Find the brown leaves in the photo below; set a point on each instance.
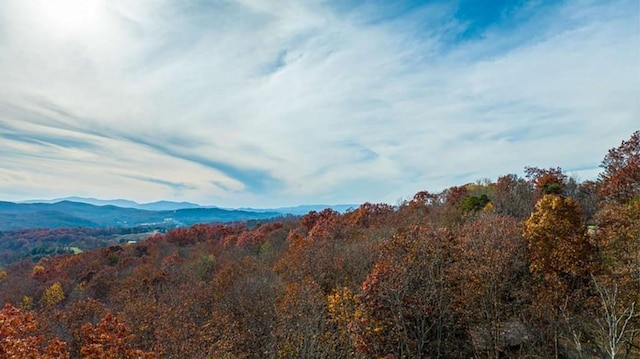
(430, 278)
(369, 214)
(257, 237)
(487, 278)
(18, 338)
(621, 176)
(547, 181)
(106, 340)
(556, 238)
(618, 238)
(404, 301)
(513, 196)
(303, 322)
(490, 255)
(109, 340)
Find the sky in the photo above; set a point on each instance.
(274, 103)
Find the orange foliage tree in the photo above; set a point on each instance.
(18, 338)
(557, 240)
(561, 258)
(109, 339)
(621, 175)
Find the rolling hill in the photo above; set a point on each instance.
(76, 214)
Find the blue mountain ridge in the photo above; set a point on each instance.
(95, 213)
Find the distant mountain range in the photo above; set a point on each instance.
(76, 214)
(97, 213)
(304, 209)
(124, 203)
(171, 206)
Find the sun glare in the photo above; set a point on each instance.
(69, 17)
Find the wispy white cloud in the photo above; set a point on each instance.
(251, 102)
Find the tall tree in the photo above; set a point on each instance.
(621, 175)
(404, 309)
(487, 278)
(557, 240)
(560, 257)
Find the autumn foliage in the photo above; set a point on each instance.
(19, 337)
(621, 176)
(109, 340)
(539, 266)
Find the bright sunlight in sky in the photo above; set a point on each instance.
(272, 103)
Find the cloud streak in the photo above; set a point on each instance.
(248, 102)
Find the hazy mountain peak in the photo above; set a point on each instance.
(123, 203)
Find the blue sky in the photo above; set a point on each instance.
(274, 103)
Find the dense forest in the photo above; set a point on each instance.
(540, 266)
(36, 243)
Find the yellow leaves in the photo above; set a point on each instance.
(341, 304)
(488, 208)
(556, 238)
(37, 269)
(81, 286)
(52, 295)
(26, 303)
(3, 275)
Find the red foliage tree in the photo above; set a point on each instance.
(18, 338)
(621, 175)
(369, 214)
(258, 236)
(513, 196)
(404, 305)
(547, 181)
(109, 339)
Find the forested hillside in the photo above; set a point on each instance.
(16, 216)
(539, 266)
